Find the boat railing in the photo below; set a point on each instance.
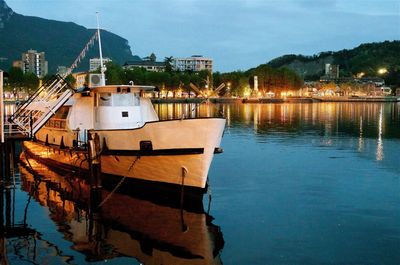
(57, 123)
(42, 105)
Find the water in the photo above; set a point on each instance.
(296, 184)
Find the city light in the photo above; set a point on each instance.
(360, 75)
(382, 71)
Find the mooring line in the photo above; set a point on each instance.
(119, 184)
(26, 157)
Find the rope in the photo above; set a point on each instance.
(26, 157)
(184, 172)
(119, 184)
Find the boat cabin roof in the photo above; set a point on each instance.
(119, 89)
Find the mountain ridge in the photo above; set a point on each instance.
(61, 41)
(366, 58)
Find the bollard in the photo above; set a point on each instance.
(94, 160)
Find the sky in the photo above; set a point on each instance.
(236, 34)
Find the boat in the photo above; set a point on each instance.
(131, 143)
(134, 143)
(125, 226)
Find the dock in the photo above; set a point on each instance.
(321, 99)
(9, 134)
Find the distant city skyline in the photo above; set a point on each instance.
(237, 34)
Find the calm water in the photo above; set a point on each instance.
(296, 184)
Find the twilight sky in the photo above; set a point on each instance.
(237, 34)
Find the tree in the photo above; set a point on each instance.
(15, 77)
(70, 80)
(168, 63)
(30, 81)
(152, 57)
(115, 74)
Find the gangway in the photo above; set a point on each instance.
(44, 103)
(38, 109)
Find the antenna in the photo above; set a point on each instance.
(102, 67)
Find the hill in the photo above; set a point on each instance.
(61, 41)
(366, 58)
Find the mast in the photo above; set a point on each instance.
(102, 67)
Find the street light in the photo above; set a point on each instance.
(382, 71)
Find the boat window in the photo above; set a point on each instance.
(58, 121)
(105, 99)
(136, 99)
(62, 112)
(122, 100)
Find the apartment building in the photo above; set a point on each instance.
(194, 63)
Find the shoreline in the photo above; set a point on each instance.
(276, 100)
(391, 99)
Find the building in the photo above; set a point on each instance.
(80, 79)
(34, 62)
(195, 63)
(94, 63)
(17, 64)
(332, 71)
(148, 65)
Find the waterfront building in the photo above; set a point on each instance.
(34, 62)
(194, 63)
(80, 79)
(94, 63)
(332, 71)
(148, 65)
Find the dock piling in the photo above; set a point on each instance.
(94, 172)
(94, 160)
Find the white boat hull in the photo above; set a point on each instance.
(181, 150)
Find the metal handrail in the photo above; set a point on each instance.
(50, 97)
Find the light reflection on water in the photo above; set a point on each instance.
(296, 184)
(331, 120)
(58, 223)
(308, 183)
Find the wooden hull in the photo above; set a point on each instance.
(181, 151)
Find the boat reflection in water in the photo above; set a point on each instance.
(123, 226)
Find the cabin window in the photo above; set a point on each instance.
(120, 100)
(62, 112)
(105, 99)
(117, 100)
(124, 114)
(136, 99)
(58, 121)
